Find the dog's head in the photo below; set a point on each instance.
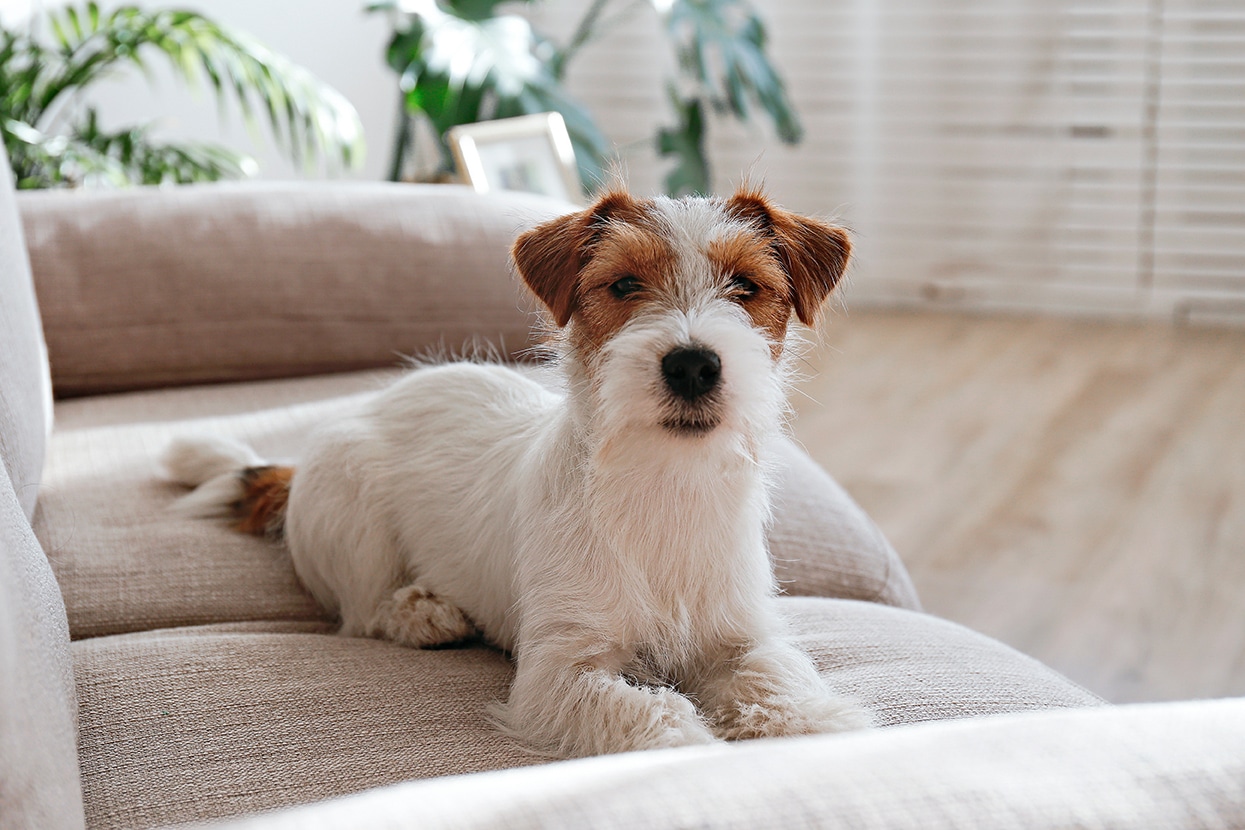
(676, 312)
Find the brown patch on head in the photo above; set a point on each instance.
(266, 491)
(572, 263)
(750, 256)
(625, 249)
(813, 254)
(550, 256)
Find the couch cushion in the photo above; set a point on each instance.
(199, 723)
(125, 562)
(824, 544)
(266, 280)
(38, 708)
(25, 390)
(193, 724)
(1167, 766)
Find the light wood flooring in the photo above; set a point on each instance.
(1075, 489)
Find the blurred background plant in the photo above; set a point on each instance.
(463, 61)
(53, 140)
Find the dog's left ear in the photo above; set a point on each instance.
(814, 254)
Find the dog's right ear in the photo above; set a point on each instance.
(551, 255)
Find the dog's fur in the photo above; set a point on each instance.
(611, 535)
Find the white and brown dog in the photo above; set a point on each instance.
(612, 534)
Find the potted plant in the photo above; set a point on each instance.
(52, 140)
(462, 61)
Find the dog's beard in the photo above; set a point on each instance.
(692, 420)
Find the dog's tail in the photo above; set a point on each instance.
(230, 481)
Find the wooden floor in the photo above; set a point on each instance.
(1076, 489)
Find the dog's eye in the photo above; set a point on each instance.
(625, 286)
(743, 288)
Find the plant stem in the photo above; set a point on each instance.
(401, 142)
(583, 33)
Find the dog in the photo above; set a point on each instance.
(609, 533)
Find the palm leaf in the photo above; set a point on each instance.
(308, 119)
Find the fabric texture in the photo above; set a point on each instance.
(1163, 766)
(818, 536)
(39, 785)
(25, 390)
(201, 723)
(195, 724)
(908, 667)
(126, 562)
(238, 282)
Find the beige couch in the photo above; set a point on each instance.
(157, 671)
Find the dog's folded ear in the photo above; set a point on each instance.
(813, 253)
(551, 255)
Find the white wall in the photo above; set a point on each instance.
(335, 39)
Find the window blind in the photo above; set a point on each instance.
(1065, 154)
(1198, 210)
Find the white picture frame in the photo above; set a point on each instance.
(531, 153)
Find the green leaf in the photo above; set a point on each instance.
(686, 143)
(720, 46)
(476, 9)
(308, 119)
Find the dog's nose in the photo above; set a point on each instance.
(691, 372)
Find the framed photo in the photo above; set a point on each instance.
(531, 153)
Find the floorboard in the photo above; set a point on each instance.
(1074, 488)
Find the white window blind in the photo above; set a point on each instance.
(1198, 212)
(1022, 153)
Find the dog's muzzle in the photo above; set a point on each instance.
(691, 373)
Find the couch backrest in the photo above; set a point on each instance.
(39, 780)
(25, 385)
(150, 287)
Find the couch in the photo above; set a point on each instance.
(159, 671)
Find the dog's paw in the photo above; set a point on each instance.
(613, 715)
(675, 722)
(418, 618)
(782, 717)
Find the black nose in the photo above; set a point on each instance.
(691, 372)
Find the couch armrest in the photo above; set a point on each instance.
(1172, 765)
(157, 287)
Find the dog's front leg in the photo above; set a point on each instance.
(771, 689)
(574, 706)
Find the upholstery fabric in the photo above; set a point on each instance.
(819, 534)
(1146, 767)
(39, 785)
(201, 723)
(125, 562)
(908, 667)
(263, 280)
(25, 390)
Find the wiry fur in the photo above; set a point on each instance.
(610, 535)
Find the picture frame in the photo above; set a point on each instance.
(530, 153)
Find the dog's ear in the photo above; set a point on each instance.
(551, 255)
(814, 254)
